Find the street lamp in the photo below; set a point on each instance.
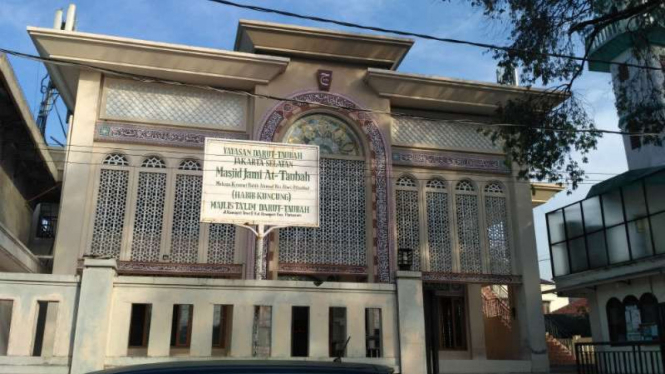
(405, 258)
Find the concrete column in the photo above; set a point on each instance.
(476, 322)
(77, 174)
(413, 358)
(202, 330)
(23, 324)
(355, 319)
(528, 300)
(92, 320)
(241, 336)
(281, 331)
(595, 320)
(159, 341)
(318, 330)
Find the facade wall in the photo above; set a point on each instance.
(15, 213)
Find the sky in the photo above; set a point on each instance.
(206, 24)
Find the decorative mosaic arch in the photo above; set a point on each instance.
(284, 111)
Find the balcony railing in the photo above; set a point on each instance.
(620, 358)
(614, 226)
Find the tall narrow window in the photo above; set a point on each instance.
(222, 320)
(139, 329)
(149, 215)
(438, 226)
(110, 207)
(453, 323)
(649, 313)
(373, 333)
(337, 332)
(181, 326)
(221, 243)
(186, 213)
(468, 232)
(496, 222)
(408, 217)
(299, 331)
(261, 332)
(616, 320)
(633, 318)
(44, 338)
(6, 307)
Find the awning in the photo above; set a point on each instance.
(621, 180)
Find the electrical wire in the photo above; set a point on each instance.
(422, 36)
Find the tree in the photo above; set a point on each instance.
(541, 33)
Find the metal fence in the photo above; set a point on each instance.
(620, 358)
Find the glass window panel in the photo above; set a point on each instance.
(555, 225)
(617, 244)
(633, 197)
(560, 259)
(655, 185)
(578, 259)
(337, 332)
(658, 228)
(640, 238)
(593, 219)
(612, 208)
(574, 220)
(597, 251)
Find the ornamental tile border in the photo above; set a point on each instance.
(170, 268)
(322, 268)
(471, 278)
(378, 161)
(451, 160)
(158, 135)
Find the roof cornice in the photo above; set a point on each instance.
(177, 62)
(447, 94)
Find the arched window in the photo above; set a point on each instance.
(186, 212)
(341, 238)
(110, 206)
(149, 213)
(408, 217)
(649, 315)
(616, 320)
(496, 224)
(468, 231)
(438, 226)
(633, 318)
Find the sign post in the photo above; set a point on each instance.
(262, 184)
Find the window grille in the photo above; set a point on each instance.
(186, 215)
(405, 182)
(190, 165)
(148, 217)
(341, 237)
(221, 243)
(494, 187)
(110, 211)
(468, 233)
(116, 159)
(466, 186)
(408, 223)
(153, 162)
(438, 227)
(498, 235)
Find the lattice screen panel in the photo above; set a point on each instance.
(438, 232)
(186, 214)
(138, 101)
(147, 232)
(110, 213)
(221, 243)
(496, 217)
(439, 134)
(468, 233)
(408, 223)
(341, 237)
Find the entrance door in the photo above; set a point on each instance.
(431, 331)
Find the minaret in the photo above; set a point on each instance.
(634, 86)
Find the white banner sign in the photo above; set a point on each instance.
(246, 182)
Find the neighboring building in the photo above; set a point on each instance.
(29, 183)
(137, 278)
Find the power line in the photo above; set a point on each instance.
(147, 79)
(420, 35)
